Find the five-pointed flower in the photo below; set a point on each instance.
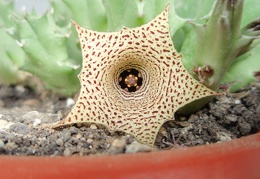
(132, 80)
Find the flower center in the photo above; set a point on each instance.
(130, 80)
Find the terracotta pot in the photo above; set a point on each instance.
(238, 158)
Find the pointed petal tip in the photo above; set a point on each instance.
(168, 6)
(60, 125)
(76, 25)
(56, 125)
(73, 22)
(63, 123)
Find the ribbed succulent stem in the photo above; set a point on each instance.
(219, 42)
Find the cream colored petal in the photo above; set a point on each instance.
(166, 87)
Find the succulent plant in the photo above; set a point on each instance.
(12, 57)
(220, 48)
(47, 57)
(221, 41)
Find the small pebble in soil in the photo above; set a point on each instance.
(243, 126)
(73, 130)
(70, 102)
(4, 125)
(10, 146)
(91, 136)
(93, 126)
(89, 141)
(238, 101)
(30, 117)
(230, 118)
(222, 136)
(118, 146)
(1, 144)
(36, 122)
(138, 147)
(59, 142)
(67, 152)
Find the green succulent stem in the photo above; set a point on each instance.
(219, 42)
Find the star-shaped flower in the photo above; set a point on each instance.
(132, 80)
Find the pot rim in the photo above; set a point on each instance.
(238, 158)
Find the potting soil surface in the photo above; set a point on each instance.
(26, 119)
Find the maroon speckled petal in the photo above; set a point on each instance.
(166, 86)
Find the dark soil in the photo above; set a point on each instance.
(26, 119)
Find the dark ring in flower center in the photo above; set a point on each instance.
(130, 80)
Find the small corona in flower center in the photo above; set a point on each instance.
(130, 80)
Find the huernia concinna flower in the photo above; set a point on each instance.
(132, 80)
